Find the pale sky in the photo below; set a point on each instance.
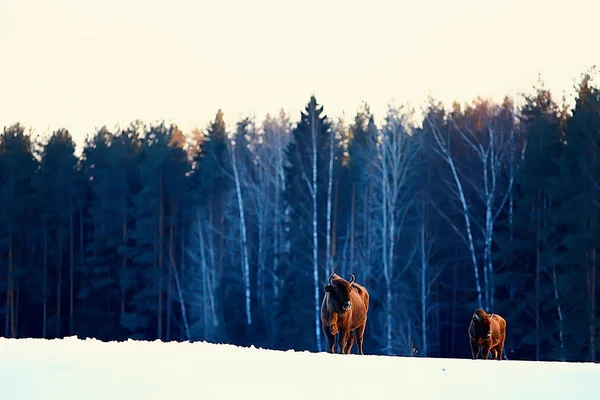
(81, 64)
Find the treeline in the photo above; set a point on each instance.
(229, 234)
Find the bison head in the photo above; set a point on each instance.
(339, 292)
(482, 323)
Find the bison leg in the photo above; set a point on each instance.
(500, 350)
(486, 350)
(360, 334)
(344, 340)
(494, 353)
(330, 341)
(474, 350)
(350, 343)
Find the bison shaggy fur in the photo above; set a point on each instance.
(344, 311)
(487, 332)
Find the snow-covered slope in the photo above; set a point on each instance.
(72, 369)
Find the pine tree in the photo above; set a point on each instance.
(60, 174)
(17, 199)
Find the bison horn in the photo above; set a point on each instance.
(475, 316)
(331, 277)
(353, 279)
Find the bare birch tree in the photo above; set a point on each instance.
(201, 285)
(267, 197)
(243, 238)
(457, 189)
(395, 154)
(328, 250)
(361, 151)
(428, 274)
(313, 188)
(492, 185)
(180, 296)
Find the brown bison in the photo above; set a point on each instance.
(487, 331)
(344, 310)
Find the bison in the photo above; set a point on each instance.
(487, 331)
(344, 310)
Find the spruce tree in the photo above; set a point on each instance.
(109, 162)
(146, 308)
(358, 189)
(579, 216)
(305, 195)
(530, 257)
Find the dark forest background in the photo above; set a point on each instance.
(229, 234)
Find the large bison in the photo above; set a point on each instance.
(344, 310)
(487, 331)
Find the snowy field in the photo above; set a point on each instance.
(72, 369)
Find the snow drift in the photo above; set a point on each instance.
(73, 369)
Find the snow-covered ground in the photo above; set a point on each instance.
(71, 369)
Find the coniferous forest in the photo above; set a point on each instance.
(229, 234)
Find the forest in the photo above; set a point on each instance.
(229, 234)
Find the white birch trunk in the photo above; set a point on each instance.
(277, 241)
(560, 314)
(512, 178)
(261, 261)
(280, 187)
(367, 232)
(345, 249)
(204, 272)
(210, 282)
(487, 235)
(277, 232)
(196, 252)
(386, 260)
(328, 263)
(180, 295)
(424, 291)
(315, 232)
(351, 230)
(465, 212)
(244, 240)
(205, 290)
(45, 291)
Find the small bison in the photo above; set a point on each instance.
(344, 310)
(487, 331)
